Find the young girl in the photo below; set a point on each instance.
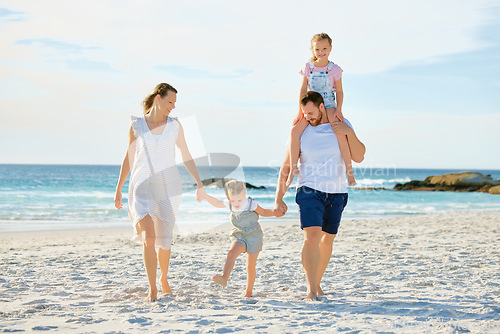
(324, 77)
(155, 186)
(246, 235)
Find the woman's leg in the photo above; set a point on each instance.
(251, 273)
(236, 249)
(146, 228)
(164, 261)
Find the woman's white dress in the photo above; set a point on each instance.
(155, 185)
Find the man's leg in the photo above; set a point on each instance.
(325, 249)
(311, 259)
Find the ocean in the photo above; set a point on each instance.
(44, 197)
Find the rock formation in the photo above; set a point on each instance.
(463, 181)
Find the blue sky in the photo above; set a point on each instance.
(421, 79)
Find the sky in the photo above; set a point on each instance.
(421, 78)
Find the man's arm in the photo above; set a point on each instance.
(356, 147)
(281, 188)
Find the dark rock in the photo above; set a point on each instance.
(221, 182)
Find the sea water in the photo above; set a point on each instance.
(41, 197)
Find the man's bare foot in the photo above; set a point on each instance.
(152, 295)
(320, 292)
(220, 280)
(312, 296)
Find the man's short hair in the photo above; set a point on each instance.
(313, 97)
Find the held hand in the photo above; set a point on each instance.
(278, 213)
(200, 194)
(341, 128)
(280, 208)
(118, 200)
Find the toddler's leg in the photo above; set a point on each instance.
(236, 249)
(297, 130)
(344, 149)
(251, 273)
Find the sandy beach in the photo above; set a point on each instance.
(423, 273)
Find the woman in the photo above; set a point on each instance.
(155, 186)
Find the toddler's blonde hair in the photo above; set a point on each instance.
(234, 187)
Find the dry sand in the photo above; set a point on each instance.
(426, 273)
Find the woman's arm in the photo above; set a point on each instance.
(127, 164)
(214, 201)
(265, 212)
(189, 163)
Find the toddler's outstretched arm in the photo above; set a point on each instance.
(214, 201)
(265, 212)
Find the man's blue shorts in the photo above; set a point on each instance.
(317, 208)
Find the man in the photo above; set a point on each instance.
(322, 187)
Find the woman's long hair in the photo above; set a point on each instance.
(161, 89)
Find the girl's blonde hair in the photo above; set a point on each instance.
(161, 89)
(317, 38)
(234, 187)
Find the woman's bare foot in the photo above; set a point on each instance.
(220, 280)
(165, 288)
(152, 295)
(320, 292)
(248, 295)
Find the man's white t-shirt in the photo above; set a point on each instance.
(321, 165)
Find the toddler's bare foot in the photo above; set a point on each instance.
(220, 280)
(152, 295)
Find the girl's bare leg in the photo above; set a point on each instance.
(236, 249)
(297, 130)
(164, 261)
(251, 273)
(344, 149)
(147, 229)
